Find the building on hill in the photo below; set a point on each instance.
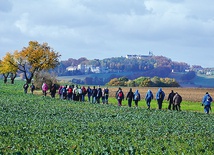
(139, 56)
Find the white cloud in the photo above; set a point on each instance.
(23, 23)
(108, 28)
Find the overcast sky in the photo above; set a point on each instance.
(182, 30)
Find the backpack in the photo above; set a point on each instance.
(120, 95)
(77, 92)
(106, 91)
(70, 90)
(84, 90)
(64, 90)
(208, 99)
(89, 90)
(45, 87)
(136, 97)
(25, 86)
(32, 87)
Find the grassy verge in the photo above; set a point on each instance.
(185, 105)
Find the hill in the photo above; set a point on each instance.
(199, 81)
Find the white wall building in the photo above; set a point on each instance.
(138, 56)
(87, 68)
(71, 68)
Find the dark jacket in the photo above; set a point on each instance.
(25, 86)
(94, 92)
(130, 95)
(99, 92)
(53, 89)
(170, 97)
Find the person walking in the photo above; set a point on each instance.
(148, 98)
(160, 97)
(53, 90)
(103, 96)
(25, 87)
(60, 91)
(70, 92)
(99, 94)
(64, 92)
(84, 92)
(44, 89)
(177, 99)
(32, 88)
(119, 96)
(170, 99)
(79, 93)
(89, 92)
(75, 93)
(130, 97)
(206, 102)
(106, 94)
(136, 98)
(94, 95)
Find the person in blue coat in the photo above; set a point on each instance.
(136, 98)
(148, 98)
(206, 102)
(160, 97)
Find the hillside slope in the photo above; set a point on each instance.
(200, 81)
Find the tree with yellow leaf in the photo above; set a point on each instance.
(35, 58)
(8, 67)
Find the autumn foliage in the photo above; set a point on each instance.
(8, 67)
(34, 58)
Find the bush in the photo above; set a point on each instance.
(41, 77)
(144, 82)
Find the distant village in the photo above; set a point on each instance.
(93, 69)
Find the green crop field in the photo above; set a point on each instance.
(32, 124)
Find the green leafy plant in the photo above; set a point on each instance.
(32, 124)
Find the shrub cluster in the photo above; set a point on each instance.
(144, 82)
